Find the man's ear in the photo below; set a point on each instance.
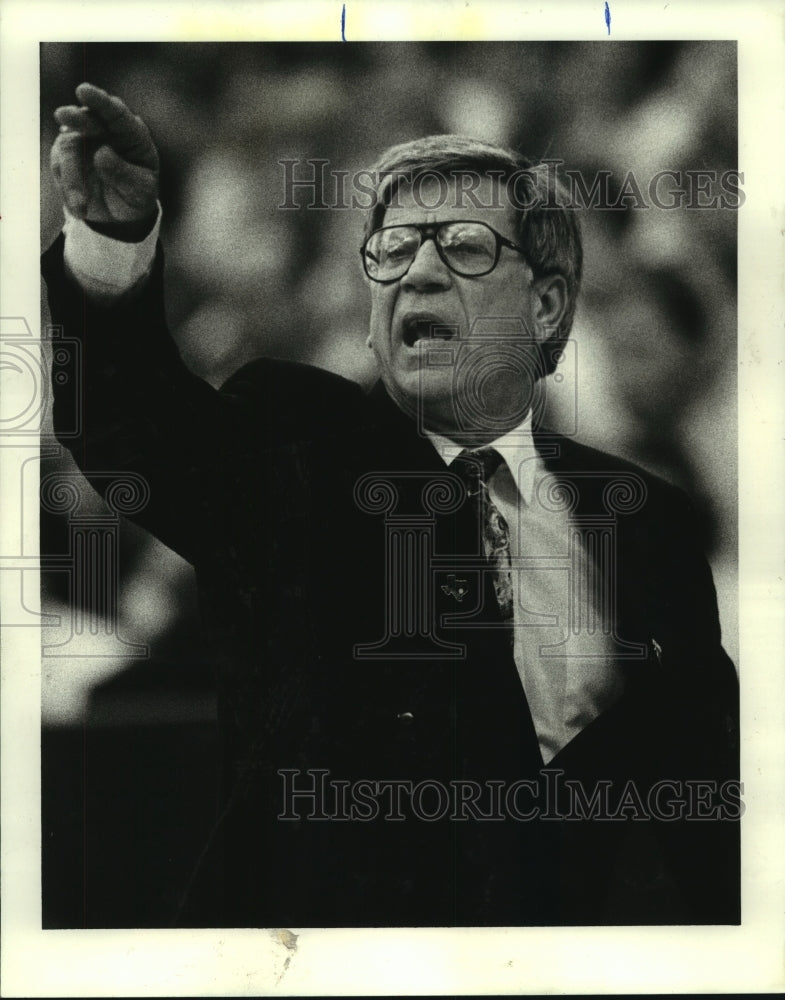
(550, 305)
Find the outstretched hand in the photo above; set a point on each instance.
(106, 165)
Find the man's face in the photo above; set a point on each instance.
(480, 378)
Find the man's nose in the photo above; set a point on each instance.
(427, 270)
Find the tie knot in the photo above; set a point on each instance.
(477, 465)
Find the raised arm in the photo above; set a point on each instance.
(205, 454)
(136, 405)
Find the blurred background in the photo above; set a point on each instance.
(129, 727)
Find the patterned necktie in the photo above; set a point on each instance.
(476, 467)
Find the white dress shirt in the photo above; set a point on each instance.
(563, 652)
(563, 655)
(106, 268)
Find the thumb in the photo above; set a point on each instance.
(129, 189)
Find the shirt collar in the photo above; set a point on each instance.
(516, 448)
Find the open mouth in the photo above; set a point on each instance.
(420, 326)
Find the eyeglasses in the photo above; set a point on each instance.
(468, 248)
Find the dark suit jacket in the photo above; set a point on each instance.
(292, 492)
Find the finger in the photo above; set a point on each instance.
(129, 190)
(80, 120)
(69, 161)
(130, 136)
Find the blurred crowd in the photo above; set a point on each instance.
(652, 374)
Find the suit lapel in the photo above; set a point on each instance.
(493, 723)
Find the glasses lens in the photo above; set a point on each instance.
(389, 252)
(469, 247)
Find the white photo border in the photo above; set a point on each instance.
(398, 961)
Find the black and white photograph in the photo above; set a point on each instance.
(383, 461)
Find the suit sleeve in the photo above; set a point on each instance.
(701, 676)
(205, 454)
(698, 696)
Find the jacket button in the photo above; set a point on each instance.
(405, 718)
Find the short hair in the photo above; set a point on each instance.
(547, 225)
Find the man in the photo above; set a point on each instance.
(469, 671)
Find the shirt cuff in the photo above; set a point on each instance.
(106, 268)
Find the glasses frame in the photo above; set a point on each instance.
(430, 231)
